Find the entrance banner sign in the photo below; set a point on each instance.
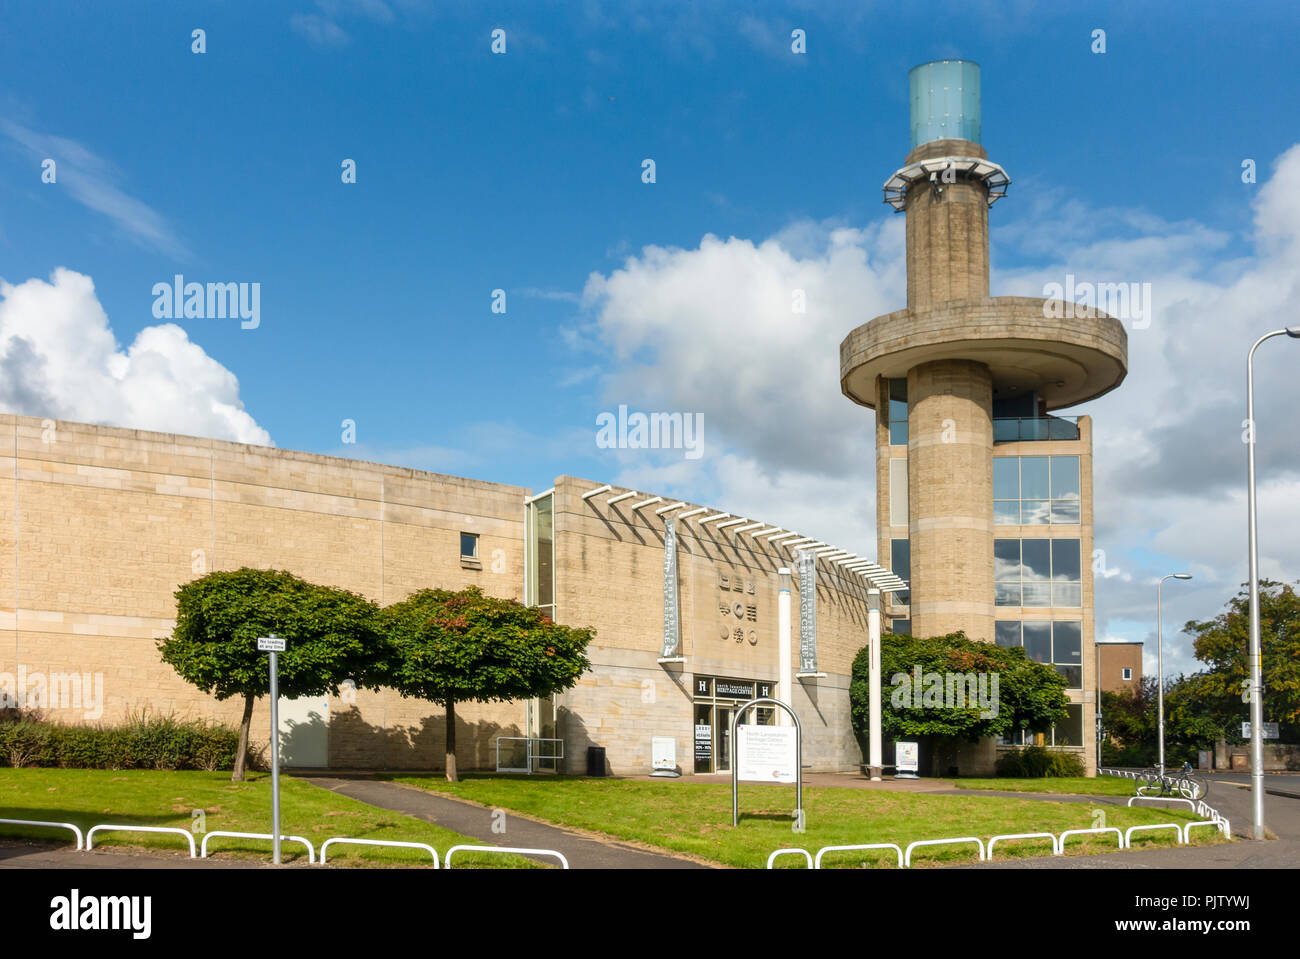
(806, 563)
(767, 754)
(703, 742)
(672, 630)
(906, 758)
(663, 753)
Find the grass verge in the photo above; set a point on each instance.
(209, 801)
(695, 818)
(1065, 785)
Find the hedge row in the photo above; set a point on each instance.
(1036, 762)
(142, 742)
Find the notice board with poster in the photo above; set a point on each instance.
(767, 754)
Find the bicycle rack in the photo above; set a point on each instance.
(790, 852)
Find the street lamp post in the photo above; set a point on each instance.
(1256, 681)
(1160, 668)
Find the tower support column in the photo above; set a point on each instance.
(950, 497)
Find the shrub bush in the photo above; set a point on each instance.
(1037, 762)
(142, 742)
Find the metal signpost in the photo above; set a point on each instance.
(274, 644)
(735, 758)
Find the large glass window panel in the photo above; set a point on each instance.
(901, 627)
(1006, 632)
(1065, 512)
(1038, 641)
(1067, 594)
(1065, 477)
(1006, 477)
(1006, 594)
(1065, 560)
(1006, 560)
(1006, 512)
(1069, 732)
(1073, 675)
(1035, 512)
(545, 554)
(1067, 643)
(1036, 558)
(1035, 480)
(1037, 595)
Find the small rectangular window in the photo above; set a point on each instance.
(1128, 674)
(897, 415)
(469, 545)
(900, 562)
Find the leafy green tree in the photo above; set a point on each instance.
(1223, 644)
(450, 647)
(1029, 695)
(331, 637)
(1131, 720)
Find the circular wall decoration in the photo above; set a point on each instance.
(753, 638)
(739, 610)
(725, 632)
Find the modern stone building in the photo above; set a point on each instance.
(104, 524)
(984, 492)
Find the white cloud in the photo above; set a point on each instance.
(89, 179)
(319, 31)
(59, 358)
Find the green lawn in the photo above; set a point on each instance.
(87, 797)
(1071, 785)
(695, 818)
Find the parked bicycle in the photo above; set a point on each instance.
(1185, 783)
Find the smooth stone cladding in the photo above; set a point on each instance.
(105, 524)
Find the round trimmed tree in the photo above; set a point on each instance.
(331, 637)
(451, 647)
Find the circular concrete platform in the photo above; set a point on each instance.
(1025, 342)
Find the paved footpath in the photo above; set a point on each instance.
(583, 850)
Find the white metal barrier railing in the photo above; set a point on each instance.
(564, 863)
(534, 751)
(907, 854)
(790, 852)
(311, 850)
(1132, 799)
(1200, 805)
(1123, 840)
(1098, 830)
(1128, 833)
(817, 863)
(1056, 847)
(1219, 824)
(51, 825)
(113, 827)
(378, 842)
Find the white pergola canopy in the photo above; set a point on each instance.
(876, 576)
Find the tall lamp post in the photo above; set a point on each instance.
(1160, 668)
(1256, 681)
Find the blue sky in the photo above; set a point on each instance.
(522, 172)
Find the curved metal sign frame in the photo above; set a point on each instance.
(735, 758)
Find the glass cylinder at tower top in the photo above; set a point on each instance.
(945, 98)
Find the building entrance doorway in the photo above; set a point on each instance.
(716, 701)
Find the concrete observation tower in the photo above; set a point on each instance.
(964, 386)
